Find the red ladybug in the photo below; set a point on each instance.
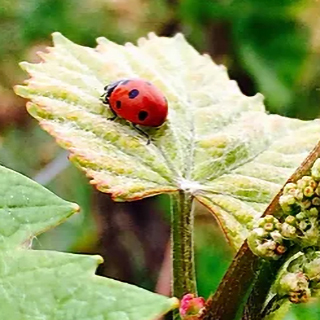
(138, 101)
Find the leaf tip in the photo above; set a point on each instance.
(258, 97)
(58, 38)
(75, 208)
(20, 91)
(102, 40)
(152, 35)
(24, 65)
(98, 259)
(179, 36)
(56, 35)
(32, 108)
(175, 302)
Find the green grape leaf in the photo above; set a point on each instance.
(27, 209)
(53, 285)
(217, 143)
(38, 284)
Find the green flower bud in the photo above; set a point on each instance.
(298, 195)
(269, 218)
(261, 222)
(290, 220)
(296, 286)
(313, 212)
(260, 232)
(265, 240)
(303, 225)
(305, 204)
(289, 187)
(300, 216)
(315, 201)
(309, 181)
(267, 249)
(313, 184)
(269, 226)
(301, 184)
(317, 191)
(276, 236)
(312, 269)
(308, 191)
(286, 202)
(288, 231)
(268, 222)
(315, 170)
(278, 225)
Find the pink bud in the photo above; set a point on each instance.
(191, 307)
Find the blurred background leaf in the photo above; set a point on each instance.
(268, 46)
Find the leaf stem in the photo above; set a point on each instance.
(182, 251)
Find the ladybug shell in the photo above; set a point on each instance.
(138, 101)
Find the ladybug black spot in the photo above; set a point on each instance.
(125, 82)
(133, 93)
(118, 104)
(142, 115)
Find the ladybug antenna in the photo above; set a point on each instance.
(104, 98)
(114, 117)
(108, 89)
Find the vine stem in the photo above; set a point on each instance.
(182, 251)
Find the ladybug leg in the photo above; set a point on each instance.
(142, 132)
(105, 100)
(114, 115)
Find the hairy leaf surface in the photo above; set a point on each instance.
(217, 143)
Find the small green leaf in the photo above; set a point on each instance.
(27, 209)
(57, 286)
(60, 286)
(217, 143)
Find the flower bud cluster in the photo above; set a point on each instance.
(299, 222)
(301, 280)
(294, 285)
(300, 203)
(266, 240)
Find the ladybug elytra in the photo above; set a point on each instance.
(138, 101)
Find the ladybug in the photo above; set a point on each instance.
(138, 101)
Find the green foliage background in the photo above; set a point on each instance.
(268, 46)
